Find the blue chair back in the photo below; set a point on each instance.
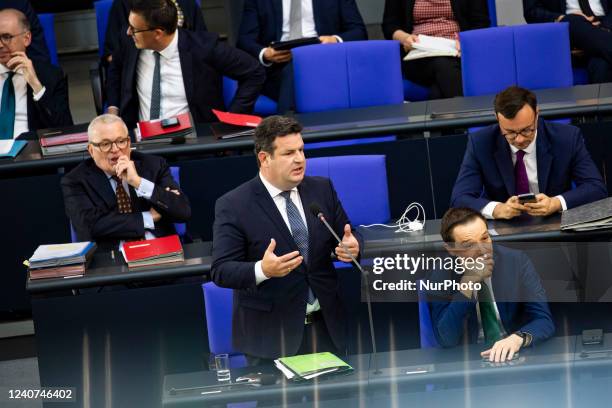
(543, 55)
(487, 69)
(492, 12)
(264, 106)
(218, 303)
(414, 92)
(181, 228)
(428, 339)
(102, 8)
(355, 74)
(361, 184)
(47, 21)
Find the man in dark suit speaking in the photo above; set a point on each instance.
(507, 311)
(275, 253)
(523, 154)
(165, 71)
(119, 194)
(34, 93)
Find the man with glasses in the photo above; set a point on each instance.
(38, 48)
(165, 71)
(34, 93)
(118, 194)
(523, 154)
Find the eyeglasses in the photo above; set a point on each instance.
(6, 39)
(510, 135)
(134, 31)
(105, 146)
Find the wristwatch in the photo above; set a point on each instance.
(527, 338)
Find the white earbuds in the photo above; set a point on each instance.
(405, 224)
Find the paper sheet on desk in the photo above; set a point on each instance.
(6, 146)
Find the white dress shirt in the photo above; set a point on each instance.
(531, 165)
(280, 202)
(145, 190)
(173, 96)
(308, 25)
(21, 99)
(573, 6)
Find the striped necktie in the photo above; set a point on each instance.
(7, 108)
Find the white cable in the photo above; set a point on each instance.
(405, 224)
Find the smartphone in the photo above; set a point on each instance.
(527, 198)
(166, 123)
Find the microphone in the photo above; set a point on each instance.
(317, 212)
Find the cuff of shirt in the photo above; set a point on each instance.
(147, 219)
(39, 95)
(563, 203)
(339, 38)
(261, 58)
(145, 190)
(487, 211)
(259, 275)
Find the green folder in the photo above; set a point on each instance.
(308, 365)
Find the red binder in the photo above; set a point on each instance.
(153, 251)
(237, 119)
(154, 128)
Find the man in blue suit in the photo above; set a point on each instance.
(506, 306)
(523, 154)
(265, 21)
(274, 252)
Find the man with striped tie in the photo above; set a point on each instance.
(275, 253)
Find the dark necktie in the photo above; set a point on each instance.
(123, 199)
(586, 8)
(490, 323)
(520, 174)
(156, 89)
(299, 232)
(7, 108)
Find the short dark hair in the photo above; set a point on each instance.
(454, 217)
(272, 127)
(160, 14)
(511, 100)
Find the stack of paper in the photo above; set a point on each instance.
(63, 140)
(151, 252)
(428, 46)
(60, 260)
(588, 217)
(309, 366)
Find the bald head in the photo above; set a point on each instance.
(16, 16)
(15, 35)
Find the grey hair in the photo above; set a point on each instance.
(105, 119)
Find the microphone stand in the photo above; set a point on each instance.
(364, 275)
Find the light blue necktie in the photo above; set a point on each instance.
(7, 108)
(299, 232)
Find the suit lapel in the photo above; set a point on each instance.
(277, 6)
(265, 201)
(186, 66)
(504, 163)
(98, 180)
(131, 71)
(544, 157)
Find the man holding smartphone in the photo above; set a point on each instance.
(524, 164)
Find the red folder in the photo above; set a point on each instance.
(64, 139)
(237, 119)
(153, 128)
(152, 249)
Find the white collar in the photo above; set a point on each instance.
(272, 190)
(172, 48)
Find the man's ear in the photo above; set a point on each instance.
(27, 39)
(90, 150)
(261, 157)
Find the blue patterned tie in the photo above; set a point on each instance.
(156, 89)
(299, 232)
(7, 108)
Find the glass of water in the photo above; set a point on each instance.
(222, 367)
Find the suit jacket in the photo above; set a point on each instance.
(470, 14)
(547, 11)
(91, 203)
(116, 31)
(38, 48)
(487, 172)
(268, 319)
(204, 60)
(520, 299)
(262, 22)
(53, 109)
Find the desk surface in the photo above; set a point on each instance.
(407, 117)
(559, 360)
(109, 268)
